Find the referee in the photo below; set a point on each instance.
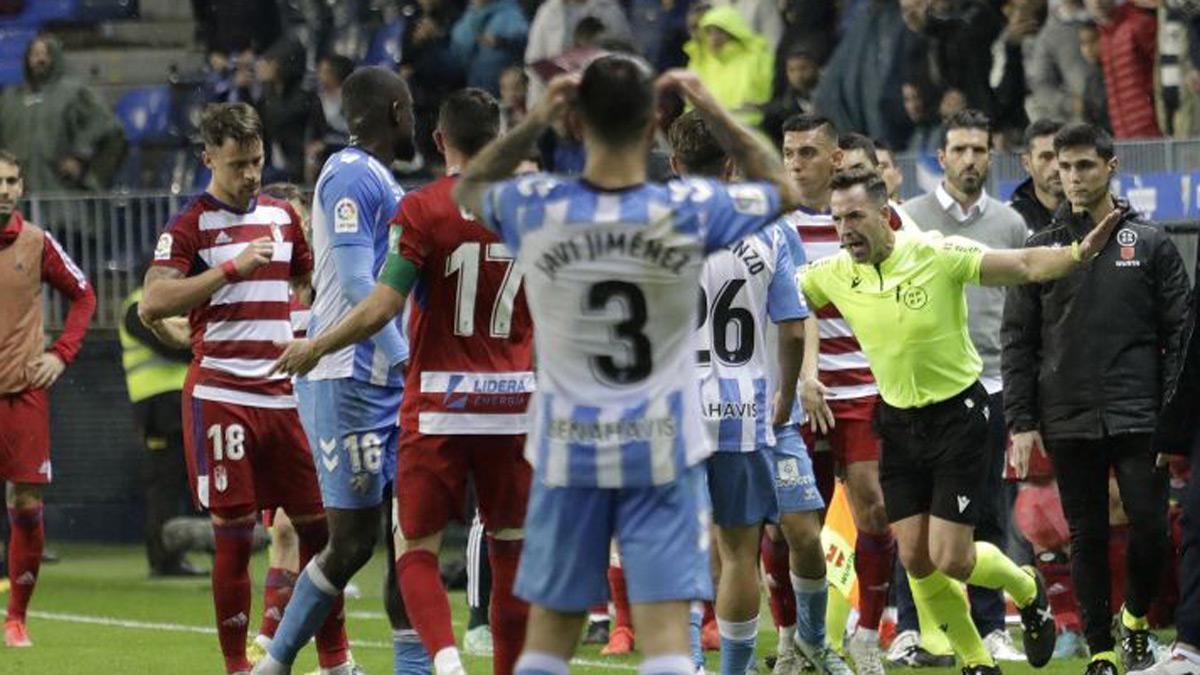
(902, 293)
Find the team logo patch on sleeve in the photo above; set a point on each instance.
(345, 216)
(162, 251)
(749, 199)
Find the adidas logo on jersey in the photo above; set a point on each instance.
(223, 238)
(236, 621)
(26, 579)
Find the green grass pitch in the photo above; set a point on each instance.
(97, 612)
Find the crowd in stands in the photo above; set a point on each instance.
(890, 69)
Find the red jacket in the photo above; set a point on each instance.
(1127, 45)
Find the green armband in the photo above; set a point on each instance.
(399, 273)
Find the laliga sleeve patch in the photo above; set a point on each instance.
(345, 216)
(749, 199)
(162, 251)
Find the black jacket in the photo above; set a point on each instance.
(1178, 425)
(1096, 353)
(1025, 202)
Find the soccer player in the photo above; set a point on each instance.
(611, 262)
(840, 397)
(903, 295)
(760, 471)
(355, 391)
(468, 386)
(227, 260)
(29, 257)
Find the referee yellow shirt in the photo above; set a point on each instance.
(909, 313)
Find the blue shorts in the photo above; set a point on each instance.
(795, 484)
(351, 427)
(742, 486)
(662, 533)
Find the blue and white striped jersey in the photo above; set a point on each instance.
(611, 280)
(741, 287)
(355, 199)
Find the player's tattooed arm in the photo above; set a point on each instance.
(167, 292)
(754, 156)
(365, 320)
(498, 159)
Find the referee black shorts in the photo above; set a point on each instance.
(934, 458)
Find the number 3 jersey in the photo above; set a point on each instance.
(741, 287)
(470, 335)
(611, 278)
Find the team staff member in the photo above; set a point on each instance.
(1091, 387)
(903, 295)
(29, 257)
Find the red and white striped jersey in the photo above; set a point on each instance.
(234, 333)
(843, 366)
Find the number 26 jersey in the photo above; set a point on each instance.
(611, 277)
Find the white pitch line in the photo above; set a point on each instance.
(207, 630)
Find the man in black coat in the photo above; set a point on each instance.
(1040, 195)
(1088, 361)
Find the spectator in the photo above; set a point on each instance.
(286, 108)
(1178, 53)
(1040, 195)
(429, 67)
(553, 30)
(860, 88)
(1089, 389)
(809, 22)
(1127, 41)
(920, 107)
(1056, 71)
(734, 62)
(514, 86)
(61, 132)
(327, 129)
(1094, 106)
(1007, 78)
(802, 73)
(231, 26)
(233, 80)
(660, 31)
(762, 16)
(489, 37)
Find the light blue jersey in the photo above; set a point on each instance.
(741, 287)
(611, 278)
(355, 199)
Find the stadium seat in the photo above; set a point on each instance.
(146, 114)
(37, 12)
(386, 45)
(104, 10)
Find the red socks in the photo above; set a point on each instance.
(779, 581)
(620, 598)
(1061, 592)
(25, 545)
(426, 601)
(333, 647)
(873, 558)
(277, 590)
(508, 612)
(231, 591)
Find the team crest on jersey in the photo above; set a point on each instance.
(220, 478)
(162, 251)
(749, 199)
(345, 216)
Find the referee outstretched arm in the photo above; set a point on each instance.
(1009, 267)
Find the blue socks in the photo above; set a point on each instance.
(812, 596)
(737, 645)
(312, 598)
(408, 654)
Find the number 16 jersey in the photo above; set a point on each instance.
(611, 277)
(471, 342)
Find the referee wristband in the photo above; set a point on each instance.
(230, 271)
(1076, 254)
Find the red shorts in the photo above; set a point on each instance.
(850, 440)
(431, 480)
(240, 456)
(25, 437)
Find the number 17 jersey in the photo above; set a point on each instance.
(470, 335)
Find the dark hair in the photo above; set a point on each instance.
(856, 141)
(808, 122)
(694, 146)
(615, 98)
(802, 50)
(967, 119)
(1038, 129)
(1084, 135)
(7, 157)
(342, 66)
(882, 146)
(469, 119)
(367, 97)
(222, 121)
(871, 181)
(588, 30)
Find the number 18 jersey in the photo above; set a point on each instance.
(611, 277)
(742, 287)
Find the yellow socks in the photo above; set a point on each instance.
(944, 600)
(1132, 622)
(1111, 657)
(993, 569)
